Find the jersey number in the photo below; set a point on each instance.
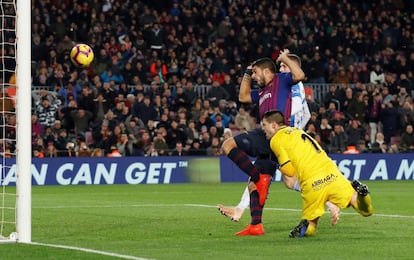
(314, 144)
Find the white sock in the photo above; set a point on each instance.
(296, 186)
(245, 200)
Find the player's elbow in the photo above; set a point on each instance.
(299, 76)
(287, 169)
(244, 99)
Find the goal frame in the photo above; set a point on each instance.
(23, 131)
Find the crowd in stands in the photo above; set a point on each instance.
(139, 96)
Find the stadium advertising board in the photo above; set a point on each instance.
(165, 170)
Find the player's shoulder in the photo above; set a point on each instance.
(283, 75)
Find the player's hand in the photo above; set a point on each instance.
(283, 55)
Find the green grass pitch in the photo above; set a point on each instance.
(180, 221)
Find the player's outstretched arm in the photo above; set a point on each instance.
(295, 69)
(246, 86)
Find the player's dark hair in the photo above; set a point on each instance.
(274, 116)
(295, 58)
(265, 63)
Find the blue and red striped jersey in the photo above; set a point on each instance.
(276, 95)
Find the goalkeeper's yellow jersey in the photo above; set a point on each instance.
(306, 155)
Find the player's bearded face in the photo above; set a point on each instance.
(259, 77)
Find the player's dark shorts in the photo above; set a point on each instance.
(254, 143)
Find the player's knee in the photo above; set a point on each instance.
(228, 145)
(265, 166)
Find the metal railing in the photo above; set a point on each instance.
(318, 90)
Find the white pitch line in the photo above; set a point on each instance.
(298, 210)
(168, 205)
(208, 206)
(89, 251)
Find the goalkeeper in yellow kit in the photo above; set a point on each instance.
(319, 178)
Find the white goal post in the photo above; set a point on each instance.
(23, 109)
(15, 121)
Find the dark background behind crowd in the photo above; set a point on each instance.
(140, 97)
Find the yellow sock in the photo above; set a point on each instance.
(364, 205)
(311, 230)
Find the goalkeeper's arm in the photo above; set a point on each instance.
(287, 169)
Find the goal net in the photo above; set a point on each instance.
(15, 121)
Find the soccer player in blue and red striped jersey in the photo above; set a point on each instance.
(274, 93)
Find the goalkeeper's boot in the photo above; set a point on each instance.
(262, 187)
(233, 213)
(299, 230)
(360, 188)
(252, 230)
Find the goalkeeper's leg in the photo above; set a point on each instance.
(361, 200)
(293, 184)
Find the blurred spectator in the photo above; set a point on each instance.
(362, 147)
(178, 150)
(331, 96)
(218, 116)
(190, 93)
(216, 93)
(341, 77)
(404, 82)
(231, 110)
(390, 120)
(83, 150)
(145, 110)
(379, 145)
(175, 135)
(61, 142)
(374, 112)
(316, 71)
(38, 152)
(311, 129)
(214, 148)
(159, 68)
(134, 125)
(406, 112)
(355, 132)
(47, 111)
(312, 104)
(195, 149)
(66, 117)
(377, 75)
(338, 141)
(243, 120)
(324, 131)
(230, 88)
(97, 152)
(407, 140)
(37, 128)
(357, 108)
(81, 119)
(160, 144)
(181, 98)
(191, 132)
